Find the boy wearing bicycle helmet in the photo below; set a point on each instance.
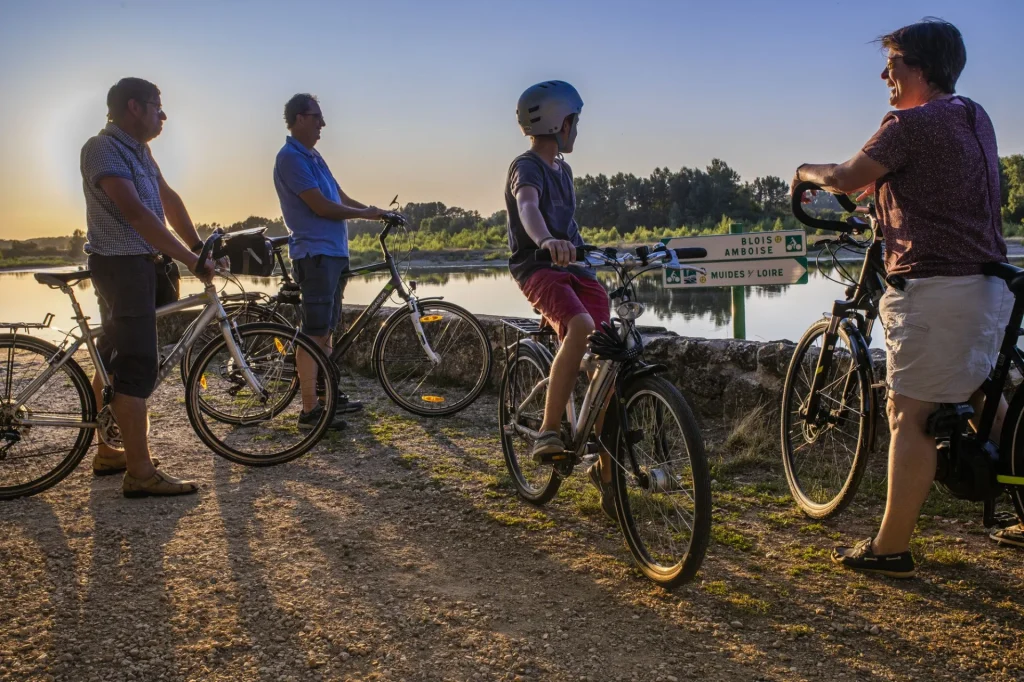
(541, 204)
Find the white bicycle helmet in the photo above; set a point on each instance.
(544, 106)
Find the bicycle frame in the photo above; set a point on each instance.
(213, 309)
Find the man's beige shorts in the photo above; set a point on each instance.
(942, 335)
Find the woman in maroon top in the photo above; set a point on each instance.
(933, 168)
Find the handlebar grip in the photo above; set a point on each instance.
(207, 250)
(819, 223)
(544, 256)
(691, 252)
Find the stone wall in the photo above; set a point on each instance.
(719, 377)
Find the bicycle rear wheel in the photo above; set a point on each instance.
(662, 493)
(241, 425)
(825, 456)
(535, 483)
(417, 383)
(33, 455)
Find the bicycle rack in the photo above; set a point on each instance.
(15, 326)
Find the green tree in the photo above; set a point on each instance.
(76, 243)
(1011, 175)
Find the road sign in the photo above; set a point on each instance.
(746, 245)
(740, 273)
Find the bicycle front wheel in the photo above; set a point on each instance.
(662, 490)
(239, 313)
(256, 428)
(521, 406)
(439, 385)
(35, 452)
(825, 454)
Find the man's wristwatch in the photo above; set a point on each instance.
(197, 247)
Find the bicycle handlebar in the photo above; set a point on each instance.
(821, 223)
(644, 253)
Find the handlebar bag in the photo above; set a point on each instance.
(250, 254)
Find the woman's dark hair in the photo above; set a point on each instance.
(934, 46)
(128, 89)
(298, 104)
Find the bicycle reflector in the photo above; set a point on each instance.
(202, 382)
(279, 346)
(430, 318)
(432, 399)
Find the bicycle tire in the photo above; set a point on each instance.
(1013, 443)
(240, 313)
(11, 346)
(522, 372)
(639, 503)
(456, 336)
(827, 494)
(227, 438)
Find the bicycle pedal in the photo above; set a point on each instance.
(553, 457)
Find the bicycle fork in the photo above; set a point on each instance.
(417, 320)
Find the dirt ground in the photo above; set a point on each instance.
(397, 550)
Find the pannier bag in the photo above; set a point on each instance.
(250, 253)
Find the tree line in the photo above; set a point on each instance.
(692, 198)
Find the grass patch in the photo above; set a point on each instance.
(531, 520)
(724, 535)
(752, 443)
(716, 587)
(949, 556)
(778, 520)
(748, 603)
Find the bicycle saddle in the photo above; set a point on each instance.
(1013, 276)
(278, 242)
(60, 279)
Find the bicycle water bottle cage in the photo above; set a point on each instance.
(290, 294)
(950, 418)
(606, 344)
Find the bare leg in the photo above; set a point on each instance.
(307, 369)
(132, 418)
(565, 369)
(911, 472)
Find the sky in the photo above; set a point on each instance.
(419, 97)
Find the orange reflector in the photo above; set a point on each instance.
(279, 345)
(202, 382)
(430, 318)
(432, 399)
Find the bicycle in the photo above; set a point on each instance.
(237, 396)
(431, 357)
(830, 387)
(660, 478)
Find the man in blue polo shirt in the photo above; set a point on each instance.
(315, 210)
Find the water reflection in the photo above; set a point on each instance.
(772, 312)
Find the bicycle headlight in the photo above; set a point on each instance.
(630, 310)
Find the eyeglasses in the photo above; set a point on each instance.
(159, 108)
(318, 117)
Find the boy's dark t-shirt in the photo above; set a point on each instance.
(939, 203)
(557, 206)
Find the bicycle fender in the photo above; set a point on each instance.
(640, 372)
(537, 348)
(864, 358)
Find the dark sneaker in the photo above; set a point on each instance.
(607, 490)
(548, 449)
(861, 558)
(344, 404)
(1012, 536)
(307, 420)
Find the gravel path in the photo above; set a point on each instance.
(397, 551)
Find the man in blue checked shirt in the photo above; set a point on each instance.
(127, 201)
(315, 210)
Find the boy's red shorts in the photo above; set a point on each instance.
(561, 296)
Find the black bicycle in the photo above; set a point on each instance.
(660, 476)
(831, 401)
(432, 357)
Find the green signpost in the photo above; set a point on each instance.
(741, 259)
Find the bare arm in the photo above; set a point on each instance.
(528, 202)
(347, 200)
(850, 176)
(122, 192)
(325, 208)
(177, 215)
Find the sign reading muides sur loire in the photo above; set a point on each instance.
(745, 259)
